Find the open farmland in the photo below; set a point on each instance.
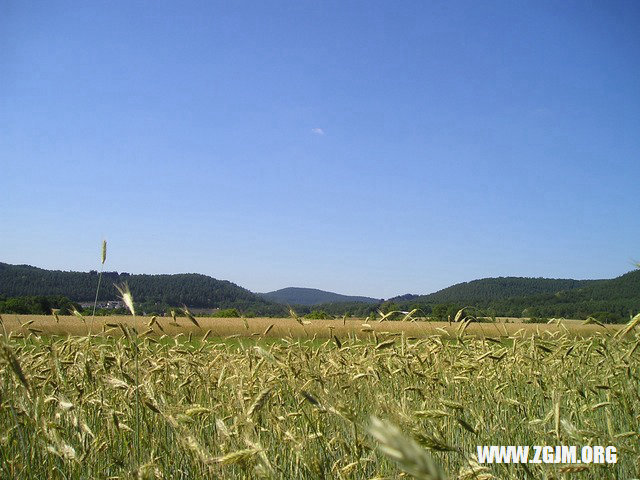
(285, 327)
(167, 407)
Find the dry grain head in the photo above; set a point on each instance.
(103, 256)
(127, 298)
(409, 456)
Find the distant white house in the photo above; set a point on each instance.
(109, 305)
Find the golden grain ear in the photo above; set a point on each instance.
(13, 362)
(78, 314)
(126, 296)
(190, 316)
(409, 456)
(104, 251)
(630, 326)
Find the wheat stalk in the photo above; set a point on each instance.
(103, 258)
(127, 298)
(409, 456)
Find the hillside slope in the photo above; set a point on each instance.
(193, 290)
(540, 297)
(499, 288)
(312, 296)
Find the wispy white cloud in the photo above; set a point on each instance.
(317, 131)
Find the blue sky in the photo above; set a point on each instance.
(372, 148)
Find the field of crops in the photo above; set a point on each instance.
(283, 327)
(149, 406)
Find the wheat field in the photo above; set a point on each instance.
(377, 404)
(282, 327)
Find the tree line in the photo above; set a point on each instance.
(34, 290)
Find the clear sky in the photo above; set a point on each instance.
(373, 148)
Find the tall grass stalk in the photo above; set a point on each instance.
(127, 298)
(103, 258)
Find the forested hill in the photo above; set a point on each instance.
(613, 300)
(488, 289)
(193, 290)
(312, 296)
(626, 286)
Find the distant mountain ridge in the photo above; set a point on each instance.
(312, 296)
